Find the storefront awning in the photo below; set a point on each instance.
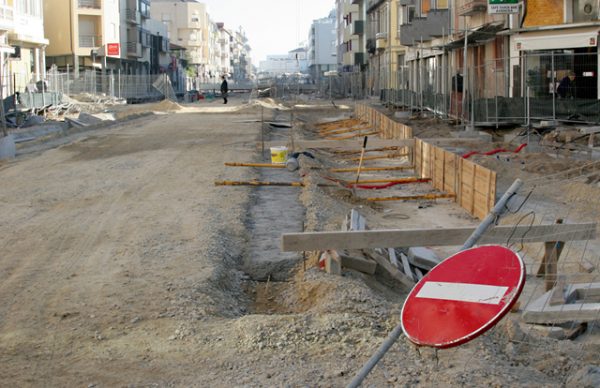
(553, 39)
(476, 36)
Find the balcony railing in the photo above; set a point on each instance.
(358, 27)
(96, 4)
(470, 7)
(7, 13)
(90, 40)
(134, 49)
(132, 15)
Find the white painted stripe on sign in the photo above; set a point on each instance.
(463, 292)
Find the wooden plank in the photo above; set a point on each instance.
(358, 264)
(549, 266)
(394, 272)
(393, 257)
(333, 262)
(406, 266)
(314, 241)
(343, 144)
(357, 221)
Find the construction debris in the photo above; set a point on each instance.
(581, 303)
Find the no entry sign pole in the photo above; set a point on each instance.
(496, 212)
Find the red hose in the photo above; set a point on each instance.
(387, 185)
(494, 152)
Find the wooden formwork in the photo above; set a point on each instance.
(389, 129)
(473, 185)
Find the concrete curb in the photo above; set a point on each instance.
(8, 149)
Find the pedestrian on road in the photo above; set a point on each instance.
(224, 89)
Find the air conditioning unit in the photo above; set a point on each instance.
(585, 10)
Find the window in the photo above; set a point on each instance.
(407, 14)
(499, 52)
(441, 4)
(425, 7)
(195, 20)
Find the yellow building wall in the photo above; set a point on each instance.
(58, 27)
(544, 13)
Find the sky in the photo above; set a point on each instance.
(272, 26)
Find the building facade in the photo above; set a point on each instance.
(188, 24)
(22, 45)
(322, 50)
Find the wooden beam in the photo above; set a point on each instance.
(411, 197)
(343, 144)
(388, 267)
(359, 264)
(347, 137)
(370, 239)
(355, 169)
(259, 165)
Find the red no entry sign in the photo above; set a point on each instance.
(463, 297)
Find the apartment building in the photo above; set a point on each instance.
(241, 56)
(295, 61)
(103, 34)
(322, 50)
(225, 39)
(350, 52)
(22, 44)
(78, 29)
(383, 44)
(188, 25)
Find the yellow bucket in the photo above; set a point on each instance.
(278, 155)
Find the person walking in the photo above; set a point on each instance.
(224, 89)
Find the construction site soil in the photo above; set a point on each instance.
(122, 264)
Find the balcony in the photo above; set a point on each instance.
(94, 4)
(358, 27)
(90, 41)
(371, 46)
(7, 17)
(381, 40)
(132, 16)
(372, 4)
(470, 7)
(434, 25)
(134, 49)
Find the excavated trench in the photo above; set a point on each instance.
(271, 212)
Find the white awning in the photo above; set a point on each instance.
(557, 39)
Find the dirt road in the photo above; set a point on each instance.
(121, 264)
(109, 243)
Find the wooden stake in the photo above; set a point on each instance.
(257, 183)
(362, 155)
(398, 180)
(354, 169)
(412, 197)
(351, 152)
(262, 165)
(549, 266)
(344, 130)
(352, 136)
(388, 156)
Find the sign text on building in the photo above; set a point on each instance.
(503, 6)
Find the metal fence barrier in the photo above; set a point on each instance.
(509, 90)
